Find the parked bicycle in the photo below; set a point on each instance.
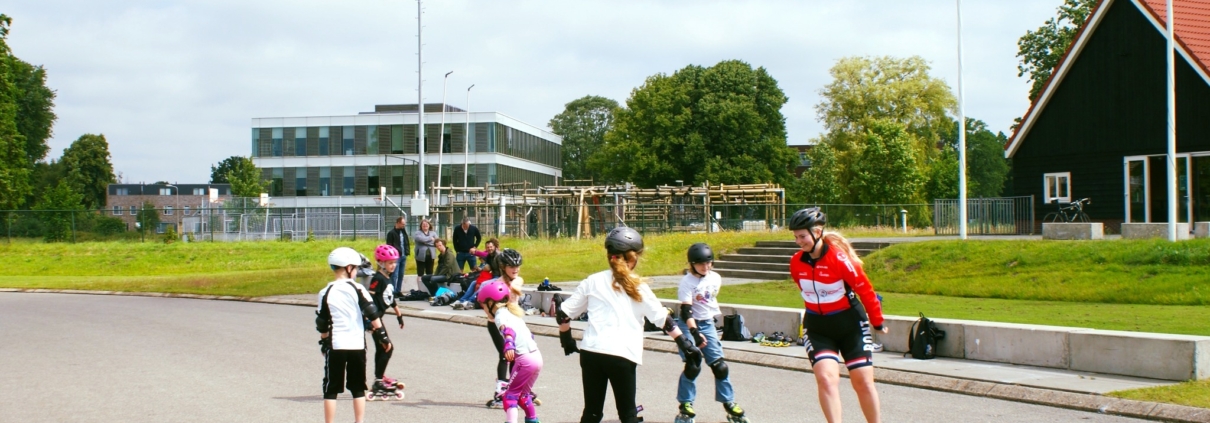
(1072, 212)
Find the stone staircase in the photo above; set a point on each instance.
(770, 260)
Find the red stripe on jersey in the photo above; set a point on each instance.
(822, 286)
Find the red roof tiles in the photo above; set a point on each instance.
(1192, 25)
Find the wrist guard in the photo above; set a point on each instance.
(399, 318)
(698, 338)
(510, 337)
(686, 346)
(568, 343)
(380, 337)
(325, 345)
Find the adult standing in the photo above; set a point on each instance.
(466, 236)
(426, 248)
(398, 238)
(617, 301)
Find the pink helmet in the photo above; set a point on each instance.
(386, 253)
(495, 290)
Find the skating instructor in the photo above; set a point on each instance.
(612, 348)
(830, 278)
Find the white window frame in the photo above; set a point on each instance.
(185, 210)
(134, 210)
(167, 210)
(1046, 178)
(165, 191)
(122, 191)
(199, 191)
(117, 210)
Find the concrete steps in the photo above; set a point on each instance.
(770, 260)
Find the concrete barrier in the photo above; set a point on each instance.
(1149, 355)
(1201, 229)
(1153, 230)
(1068, 231)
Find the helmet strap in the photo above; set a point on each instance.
(814, 240)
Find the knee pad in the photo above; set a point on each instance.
(720, 369)
(510, 401)
(693, 367)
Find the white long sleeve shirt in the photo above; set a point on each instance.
(348, 329)
(615, 321)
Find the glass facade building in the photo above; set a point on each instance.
(348, 160)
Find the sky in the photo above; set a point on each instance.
(173, 85)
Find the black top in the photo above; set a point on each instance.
(398, 238)
(464, 240)
(378, 287)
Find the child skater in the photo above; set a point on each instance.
(508, 261)
(519, 347)
(698, 294)
(381, 289)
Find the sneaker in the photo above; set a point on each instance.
(877, 347)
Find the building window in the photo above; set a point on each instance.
(300, 182)
(323, 140)
(325, 181)
(372, 139)
(348, 181)
(167, 210)
(276, 182)
(397, 139)
(185, 210)
(117, 210)
(372, 180)
(470, 138)
(165, 191)
(446, 147)
(397, 180)
(123, 191)
(346, 145)
(491, 174)
(277, 136)
(300, 141)
(491, 138)
(1057, 187)
(199, 191)
(255, 139)
(134, 210)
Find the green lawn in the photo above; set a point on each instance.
(1193, 394)
(1190, 320)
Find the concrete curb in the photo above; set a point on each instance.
(1008, 392)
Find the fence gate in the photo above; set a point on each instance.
(986, 216)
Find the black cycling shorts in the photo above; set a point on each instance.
(843, 334)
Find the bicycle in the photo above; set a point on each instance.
(1072, 212)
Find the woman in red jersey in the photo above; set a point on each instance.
(830, 279)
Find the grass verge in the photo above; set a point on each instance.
(1193, 394)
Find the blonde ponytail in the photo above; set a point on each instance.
(836, 240)
(624, 279)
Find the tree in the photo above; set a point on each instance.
(44, 177)
(148, 218)
(58, 209)
(218, 173)
(89, 171)
(35, 107)
(986, 167)
(15, 166)
(885, 171)
(245, 178)
(721, 124)
(583, 125)
(1040, 50)
(821, 183)
(869, 89)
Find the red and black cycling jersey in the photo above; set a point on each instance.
(825, 283)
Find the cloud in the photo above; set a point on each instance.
(174, 85)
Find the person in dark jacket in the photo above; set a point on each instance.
(447, 268)
(466, 237)
(398, 238)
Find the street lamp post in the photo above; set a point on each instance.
(467, 143)
(441, 135)
(961, 137)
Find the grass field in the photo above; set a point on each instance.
(1194, 394)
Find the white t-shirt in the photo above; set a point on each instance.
(615, 322)
(525, 339)
(348, 331)
(702, 293)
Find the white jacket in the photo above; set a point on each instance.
(615, 322)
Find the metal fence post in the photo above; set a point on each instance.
(354, 223)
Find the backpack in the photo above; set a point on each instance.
(734, 329)
(922, 339)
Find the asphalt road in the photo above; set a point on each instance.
(86, 358)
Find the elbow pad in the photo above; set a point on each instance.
(560, 316)
(322, 323)
(369, 311)
(509, 338)
(686, 312)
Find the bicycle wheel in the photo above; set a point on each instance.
(1081, 217)
(1052, 217)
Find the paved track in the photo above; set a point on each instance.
(85, 358)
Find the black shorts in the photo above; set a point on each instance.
(829, 337)
(338, 364)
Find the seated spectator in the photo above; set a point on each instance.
(488, 256)
(447, 268)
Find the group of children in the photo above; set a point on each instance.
(828, 273)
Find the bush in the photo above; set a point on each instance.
(170, 235)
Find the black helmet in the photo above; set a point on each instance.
(509, 257)
(807, 219)
(700, 253)
(622, 239)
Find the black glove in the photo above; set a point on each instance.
(399, 318)
(698, 339)
(691, 351)
(325, 345)
(380, 337)
(568, 343)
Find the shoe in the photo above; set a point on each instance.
(877, 347)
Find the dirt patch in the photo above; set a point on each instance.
(912, 268)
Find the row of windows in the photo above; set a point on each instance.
(163, 191)
(390, 139)
(166, 211)
(397, 180)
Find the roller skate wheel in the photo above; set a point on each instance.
(400, 385)
(399, 395)
(737, 419)
(683, 418)
(537, 401)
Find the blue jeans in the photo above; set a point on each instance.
(401, 265)
(464, 258)
(686, 390)
(469, 294)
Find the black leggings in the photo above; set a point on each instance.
(381, 358)
(424, 267)
(502, 366)
(600, 370)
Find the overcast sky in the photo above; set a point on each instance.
(174, 85)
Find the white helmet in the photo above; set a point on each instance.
(344, 256)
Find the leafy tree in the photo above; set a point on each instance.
(218, 173)
(1041, 49)
(245, 178)
(148, 218)
(719, 124)
(89, 171)
(15, 166)
(821, 183)
(942, 175)
(35, 103)
(986, 167)
(45, 176)
(885, 171)
(583, 124)
(868, 89)
(58, 209)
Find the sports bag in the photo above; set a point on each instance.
(734, 329)
(923, 338)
